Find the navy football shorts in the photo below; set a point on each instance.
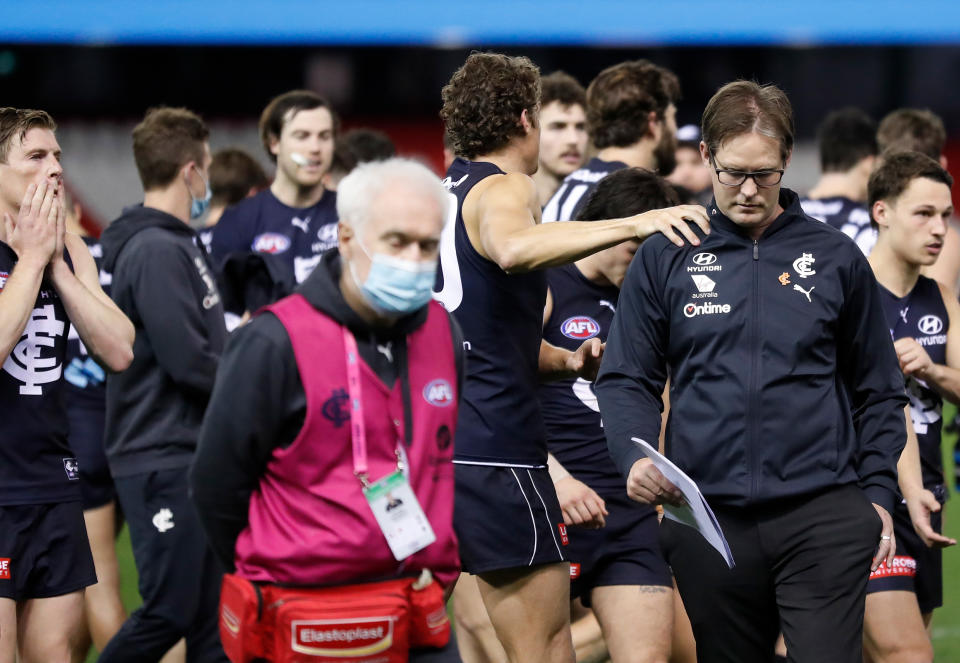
(86, 441)
(624, 552)
(44, 551)
(507, 517)
(916, 568)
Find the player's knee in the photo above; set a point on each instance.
(472, 622)
(907, 652)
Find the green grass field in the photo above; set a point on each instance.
(946, 620)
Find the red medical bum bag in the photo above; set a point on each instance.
(371, 622)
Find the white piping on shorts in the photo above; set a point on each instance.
(533, 521)
(546, 514)
(486, 464)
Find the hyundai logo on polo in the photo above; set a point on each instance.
(704, 262)
(438, 393)
(930, 324)
(270, 243)
(580, 327)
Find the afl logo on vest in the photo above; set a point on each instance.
(580, 327)
(271, 243)
(438, 393)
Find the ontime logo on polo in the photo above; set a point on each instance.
(580, 327)
(692, 310)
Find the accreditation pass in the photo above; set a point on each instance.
(399, 515)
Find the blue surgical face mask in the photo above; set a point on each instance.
(199, 206)
(396, 286)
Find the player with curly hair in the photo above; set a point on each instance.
(493, 251)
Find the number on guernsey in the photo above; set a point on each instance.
(451, 295)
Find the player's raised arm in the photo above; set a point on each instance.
(510, 234)
(32, 237)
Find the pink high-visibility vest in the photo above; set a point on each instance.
(309, 523)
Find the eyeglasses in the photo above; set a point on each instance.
(762, 178)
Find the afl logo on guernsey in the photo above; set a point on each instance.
(438, 393)
(580, 327)
(270, 243)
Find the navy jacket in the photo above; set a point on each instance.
(784, 380)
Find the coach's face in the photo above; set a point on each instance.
(748, 203)
(28, 161)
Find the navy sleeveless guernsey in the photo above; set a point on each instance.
(923, 316)
(576, 189)
(581, 310)
(36, 464)
(501, 316)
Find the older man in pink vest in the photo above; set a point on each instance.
(323, 475)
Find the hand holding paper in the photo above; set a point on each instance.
(693, 509)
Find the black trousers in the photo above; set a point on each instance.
(801, 565)
(179, 576)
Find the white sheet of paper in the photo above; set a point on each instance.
(695, 512)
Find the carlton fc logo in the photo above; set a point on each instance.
(270, 243)
(438, 393)
(580, 327)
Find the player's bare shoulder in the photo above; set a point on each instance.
(504, 191)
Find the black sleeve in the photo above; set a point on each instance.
(870, 370)
(633, 373)
(169, 309)
(258, 404)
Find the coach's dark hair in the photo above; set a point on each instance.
(484, 99)
(17, 122)
(895, 173)
(846, 137)
(233, 173)
(621, 98)
(281, 110)
(627, 192)
(562, 88)
(164, 141)
(743, 107)
(912, 129)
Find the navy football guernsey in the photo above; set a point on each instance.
(576, 188)
(36, 464)
(501, 317)
(262, 223)
(581, 310)
(846, 215)
(923, 316)
(85, 379)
